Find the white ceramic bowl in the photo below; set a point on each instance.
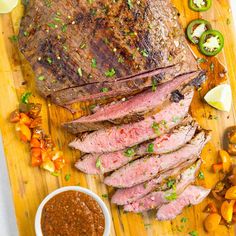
(79, 189)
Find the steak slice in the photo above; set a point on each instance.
(163, 144)
(107, 89)
(159, 197)
(118, 138)
(192, 195)
(130, 110)
(73, 43)
(147, 168)
(124, 196)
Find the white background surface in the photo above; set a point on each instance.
(7, 215)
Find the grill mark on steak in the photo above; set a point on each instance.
(127, 135)
(151, 26)
(163, 144)
(192, 195)
(157, 198)
(132, 110)
(146, 168)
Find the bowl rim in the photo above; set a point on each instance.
(103, 206)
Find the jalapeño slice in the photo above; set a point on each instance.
(211, 42)
(196, 28)
(200, 5)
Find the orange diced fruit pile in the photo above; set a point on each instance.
(43, 151)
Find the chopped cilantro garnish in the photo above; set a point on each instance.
(67, 177)
(201, 175)
(80, 72)
(129, 152)
(130, 4)
(41, 77)
(212, 66)
(26, 33)
(94, 63)
(154, 85)
(52, 25)
(171, 183)
(105, 40)
(82, 45)
(105, 195)
(56, 174)
(111, 72)
(48, 3)
(150, 148)
(201, 60)
(156, 127)
(57, 19)
(14, 38)
(144, 52)
(25, 97)
(64, 28)
(193, 233)
(98, 163)
(49, 60)
(104, 90)
(184, 220)
(175, 119)
(171, 197)
(120, 59)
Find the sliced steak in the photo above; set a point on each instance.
(159, 197)
(163, 144)
(108, 89)
(121, 137)
(73, 43)
(192, 195)
(124, 196)
(130, 110)
(147, 168)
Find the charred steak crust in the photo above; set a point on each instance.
(73, 43)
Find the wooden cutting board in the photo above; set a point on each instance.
(30, 185)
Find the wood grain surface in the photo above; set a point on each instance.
(31, 185)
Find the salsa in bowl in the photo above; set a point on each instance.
(72, 211)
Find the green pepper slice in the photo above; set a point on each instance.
(200, 5)
(196, 28)
(211, 42)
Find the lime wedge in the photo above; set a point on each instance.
(6, 6)
(220, 97)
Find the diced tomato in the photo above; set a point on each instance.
(24, 132)
(37, 133)
(35, 143)
(15, 116)
(57, 155)
(36, 161)
(211, 208)
(24, 119)
(36, 157)
(59, 163)
(37, 122)
(36, 152)
(217, 167)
